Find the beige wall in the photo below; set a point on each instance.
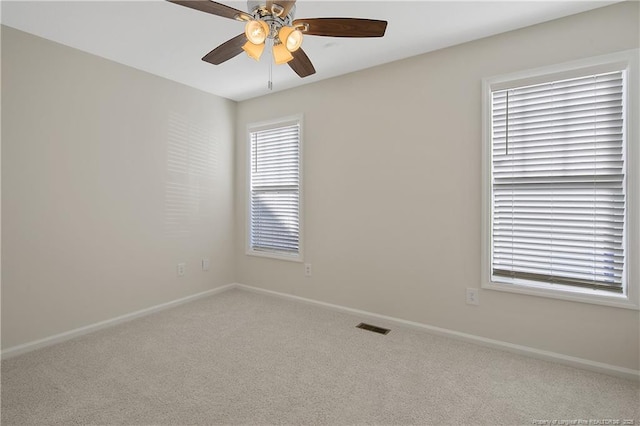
(110, 177)
(392, 162)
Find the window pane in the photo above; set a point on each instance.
(558, 190)
(274, 188)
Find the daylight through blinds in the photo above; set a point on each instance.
(558, 182)
(275, 189)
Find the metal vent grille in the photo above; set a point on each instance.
(373, 328)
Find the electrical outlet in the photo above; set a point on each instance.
(181, 269)
(472, 296)
(206, 264)
(307, 269)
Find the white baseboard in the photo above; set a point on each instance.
(582, 363)
(67, 335)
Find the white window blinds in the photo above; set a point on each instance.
(275, 190)
(558, 182)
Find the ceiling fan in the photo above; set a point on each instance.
(273, 20)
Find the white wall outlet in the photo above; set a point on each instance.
(206, 264)
(307, 269)
(472, 296)
(181, 269)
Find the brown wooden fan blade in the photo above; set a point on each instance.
(301, 64)
(342, 27)
(226, 50)
(285, 4)
(214, 8)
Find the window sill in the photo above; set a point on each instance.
(583, 295)
(275, 255)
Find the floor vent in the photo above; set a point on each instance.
(373, 328)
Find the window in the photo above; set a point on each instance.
(275, 189)
(558, 166)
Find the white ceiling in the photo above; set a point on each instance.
(168, 40)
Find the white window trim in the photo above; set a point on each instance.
(630, 61)
(252, 127)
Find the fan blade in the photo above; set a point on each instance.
(301, 64)
(214, 8)
(226, 50)
(286, 5)
(342, 27)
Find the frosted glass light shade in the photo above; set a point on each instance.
(280, 54)
(253, 50)
(256, 31)
(290, 37)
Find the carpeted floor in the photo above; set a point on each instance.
(245, 358)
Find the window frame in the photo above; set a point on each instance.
(266, 125)
(626, 60)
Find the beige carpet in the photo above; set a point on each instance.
(245, 358)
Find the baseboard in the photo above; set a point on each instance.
(67, 335)
(582, 363)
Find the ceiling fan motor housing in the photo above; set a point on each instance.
(258, 10)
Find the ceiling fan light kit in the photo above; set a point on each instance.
(290, 37)
(256, 31)
(254, 51)
(273, 20)
(280, 54)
